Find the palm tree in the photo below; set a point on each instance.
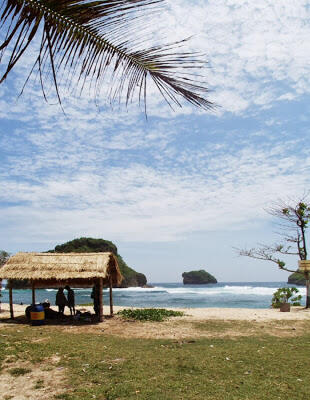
(86, 41)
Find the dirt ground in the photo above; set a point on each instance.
(42, 381)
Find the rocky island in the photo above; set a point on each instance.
(297, 279)
(200, 277)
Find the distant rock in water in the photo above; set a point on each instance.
(297, 279)
(200, 277)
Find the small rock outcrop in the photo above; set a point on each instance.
(200, 277)
(297, 279)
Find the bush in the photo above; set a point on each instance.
(285, 295)
(149, 314)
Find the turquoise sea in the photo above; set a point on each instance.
(223, 294)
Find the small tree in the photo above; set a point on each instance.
(293, 221)
(285, 295)
(3, 259)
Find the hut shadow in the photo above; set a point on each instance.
(67, 320)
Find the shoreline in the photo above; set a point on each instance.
(197, 314)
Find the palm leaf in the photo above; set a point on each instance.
(90, 41)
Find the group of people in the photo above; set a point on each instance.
(62, 301)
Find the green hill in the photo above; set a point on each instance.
(91, 245)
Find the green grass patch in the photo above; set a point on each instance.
(149, 314)
(104, 367)
(62, 396)
(19, 371)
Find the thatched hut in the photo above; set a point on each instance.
(51, 270)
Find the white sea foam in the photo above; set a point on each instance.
(141, 289)
(211, 291)
(232, 290)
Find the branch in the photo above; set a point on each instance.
(264, 255)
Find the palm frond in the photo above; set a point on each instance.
(94, 40)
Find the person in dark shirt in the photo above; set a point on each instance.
(70, 300)
(61, 301)
(95, 296)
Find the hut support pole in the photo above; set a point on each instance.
(111, 298)
(33, 293)
(100, 300)
(11, 302)
(0, 293)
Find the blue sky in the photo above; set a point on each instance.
(177, 191)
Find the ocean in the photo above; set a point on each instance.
(223, 294)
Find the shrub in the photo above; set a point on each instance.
(149, 314)
(286, 295)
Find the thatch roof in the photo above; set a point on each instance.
(64, 267)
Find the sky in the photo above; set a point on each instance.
(181, 189)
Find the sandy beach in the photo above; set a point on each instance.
(196, 323)
(226, 314)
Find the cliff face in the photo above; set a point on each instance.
(90, 245)
(297, 279)
(200, 277)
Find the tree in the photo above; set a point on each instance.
(3, 257)
(293, 221)
(87, 40)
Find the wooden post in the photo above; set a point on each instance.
(33, 293)
(100, 300)
(11, 302)
(0, 293)
(307, 276)
(111, 298)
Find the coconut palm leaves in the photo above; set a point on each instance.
(89, 41)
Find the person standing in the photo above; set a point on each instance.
(95, 296)
(61, 301)
(70, 300)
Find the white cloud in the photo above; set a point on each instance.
(210, 189)
(246, 40)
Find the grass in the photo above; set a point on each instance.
(39, 384)
(111, 368)
(19, 371)
(149, 314)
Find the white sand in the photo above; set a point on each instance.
(228, 314)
